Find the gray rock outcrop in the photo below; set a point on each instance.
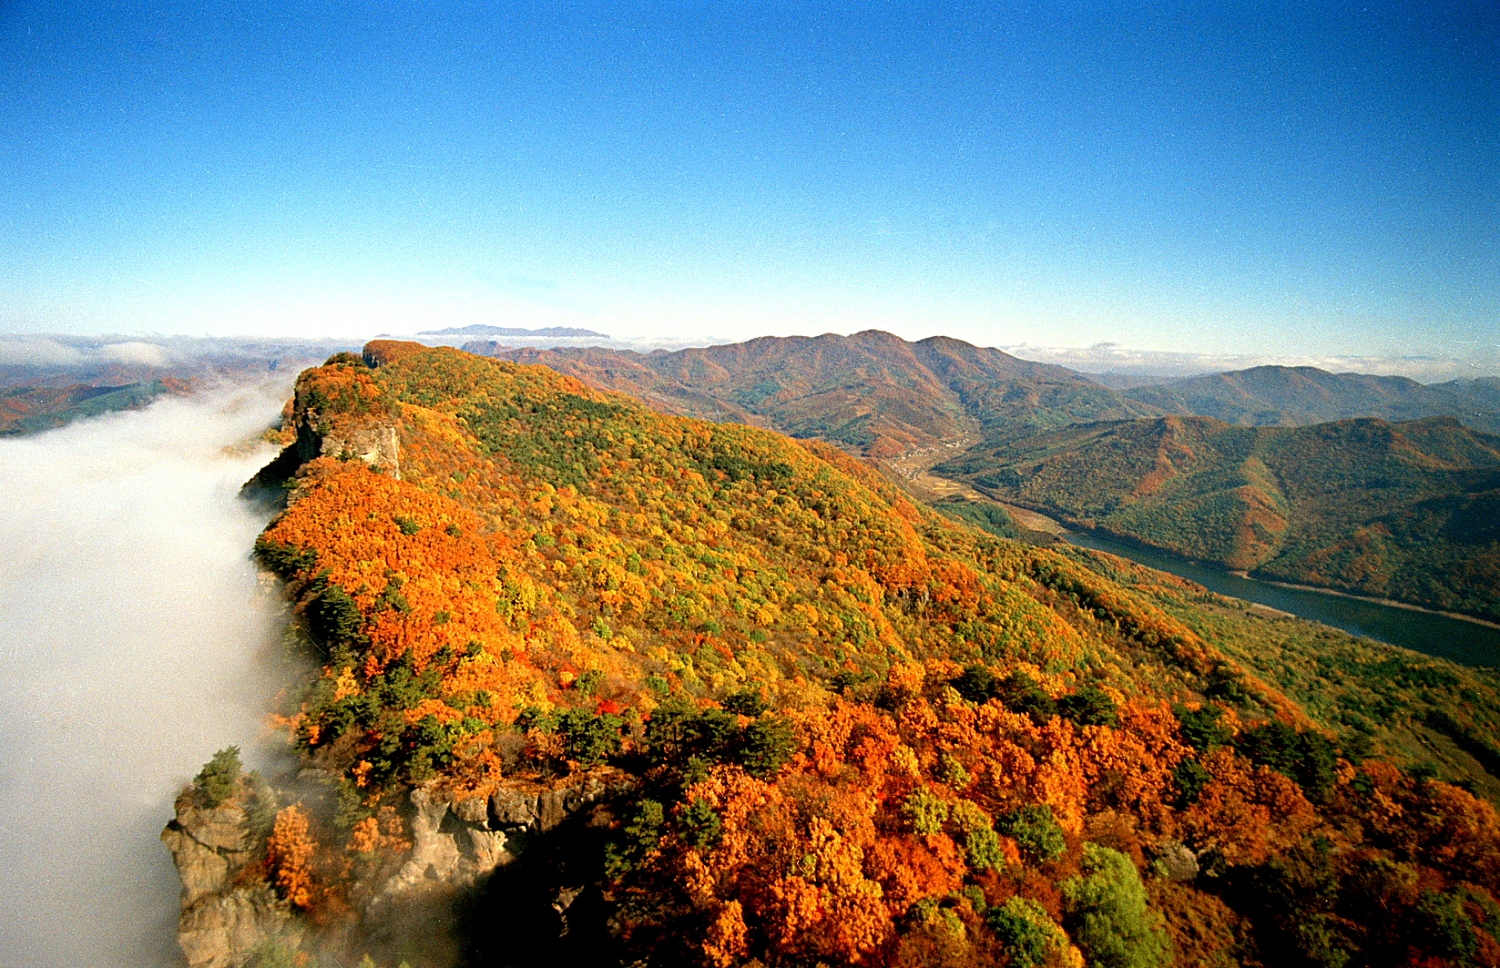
(222, 919)
(228, 909)
(373, 441)
(456, 843)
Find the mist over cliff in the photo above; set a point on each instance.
(133, 644)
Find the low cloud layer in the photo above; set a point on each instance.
(1149, 365)
(134, 642)
(48, 351)
(44, 352)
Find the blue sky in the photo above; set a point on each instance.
(1307, 177)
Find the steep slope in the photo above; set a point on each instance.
(1294, 396)
(604, 686)
(1409, 511)
(872, 391)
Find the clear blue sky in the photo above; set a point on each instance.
(1242, 177)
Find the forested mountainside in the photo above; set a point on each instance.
(1408, 511)
(871, 392)
(1331, 507)
(602, 686)
(32, 409)
(1294, 396)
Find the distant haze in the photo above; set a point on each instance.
(113, 359)
(1150, 366)
(133, 644)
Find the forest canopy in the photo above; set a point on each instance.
(841, 727)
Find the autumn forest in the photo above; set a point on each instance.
(821, 723)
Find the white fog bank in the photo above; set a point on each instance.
(133, 644)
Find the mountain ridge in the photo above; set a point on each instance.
(617, 687)
(1294, 396)
(872, 391)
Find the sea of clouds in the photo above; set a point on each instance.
(135, 640)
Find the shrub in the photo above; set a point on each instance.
(982, 849)
(1089, 706)
(334, 617)
(1443, 926)
(1191, 777)
(1108, 914)
(976, 684)
(1021, 693)
(701, 825)
(588, 684)
(284, 559)
(1034, 830)
(746, 702)
(219, 778)
(1307, 757)
(926, 813)
(767, 745)
(638, 839)
(1028, 934)
(591, 739)
(1203, 728)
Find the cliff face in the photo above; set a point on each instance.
(454, 843)
(373, 441)
(337, 411)
(229, 910)
(225, 914)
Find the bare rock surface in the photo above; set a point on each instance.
(222, 920)
(228, 909)
(454, 843)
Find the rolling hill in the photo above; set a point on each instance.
(1408, 511)
(33, 409)
(871, 392)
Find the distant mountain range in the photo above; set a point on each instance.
(481, 330)
(1293, 396)
(873, 392)
(880, 394)
(47, 382)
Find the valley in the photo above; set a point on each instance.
(1463, 639)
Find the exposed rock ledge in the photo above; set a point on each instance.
(455, 844)
(225, 914)
(228, 909)
(373, 441)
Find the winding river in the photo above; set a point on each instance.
(1466, 642)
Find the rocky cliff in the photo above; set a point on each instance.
(230, 910)
(338, 412)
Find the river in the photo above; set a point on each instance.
(1464, 642)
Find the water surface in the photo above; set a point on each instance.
(1462, 641)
